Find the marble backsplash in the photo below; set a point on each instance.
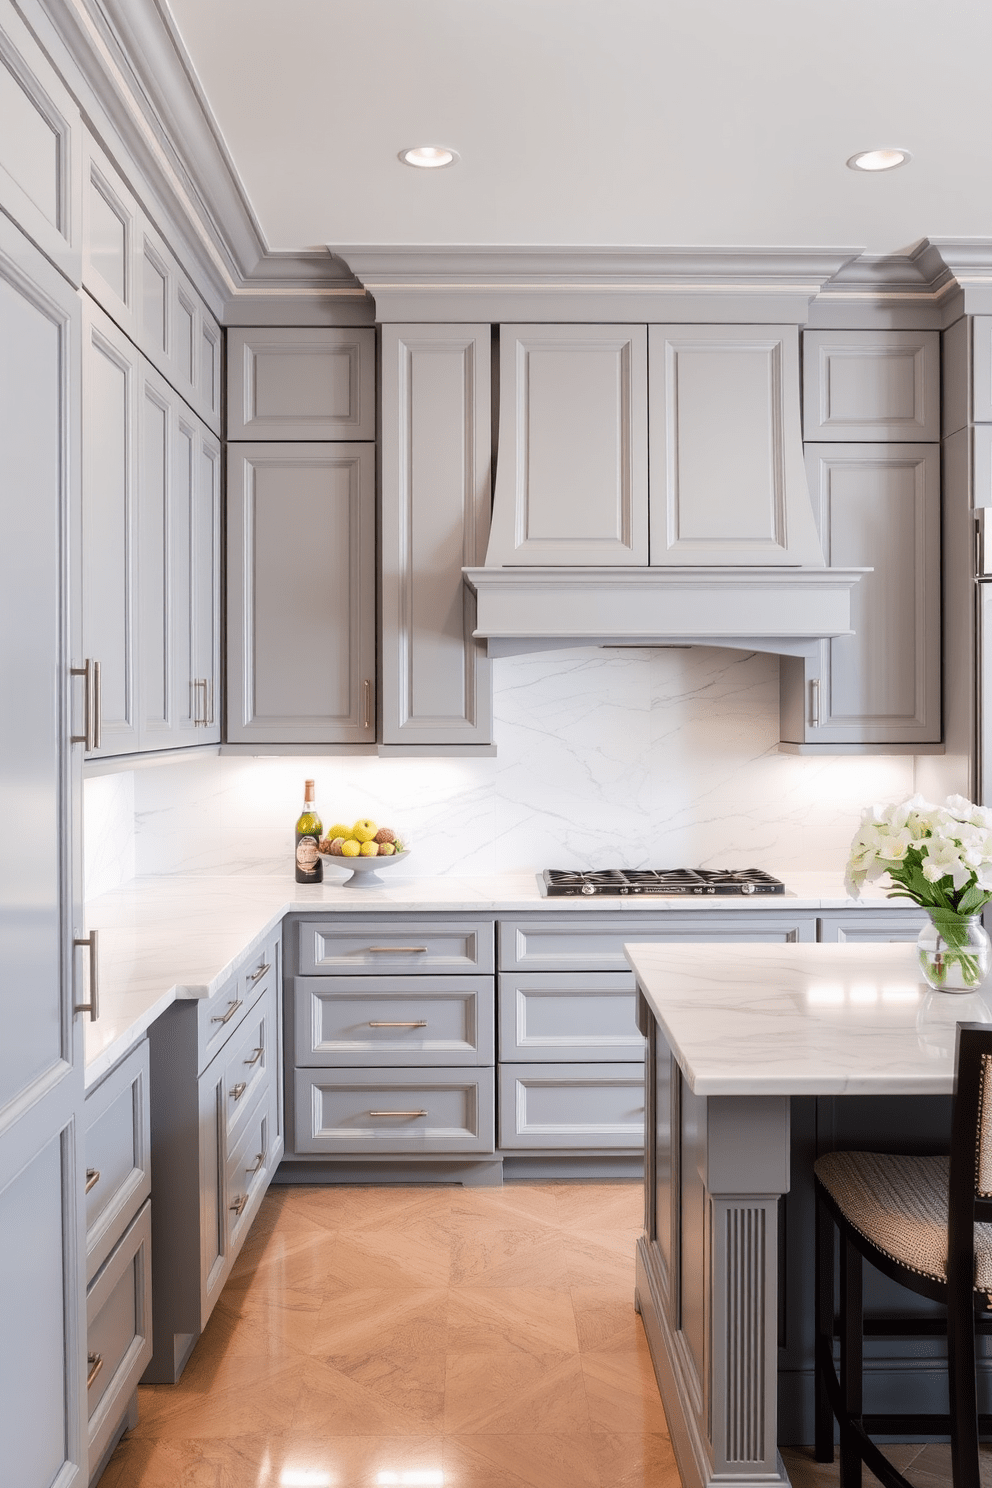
(605, 757)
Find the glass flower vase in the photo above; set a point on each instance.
(954, 951)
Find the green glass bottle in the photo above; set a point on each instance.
(309, 867)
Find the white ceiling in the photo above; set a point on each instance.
(612, 122)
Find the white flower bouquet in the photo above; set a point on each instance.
(940, 857)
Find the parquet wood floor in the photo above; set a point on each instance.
(418, 1338)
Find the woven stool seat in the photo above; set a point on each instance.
(899, 1204)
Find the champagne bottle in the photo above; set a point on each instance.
(309, 867)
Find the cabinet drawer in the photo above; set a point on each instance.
(595, 943)
(381, 947)
(865, 927)
(118, 1177)
(568, 1016)
(218, 1016)
(394, 1020)
(249, 1168)
(571, 1105)
(390, 1111)
(249, 1061)
(118, 1331)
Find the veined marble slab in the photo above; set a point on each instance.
(182, 935)
(804, 1019)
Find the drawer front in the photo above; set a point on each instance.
(596, 944)
(250, 1166)
(395, 1111)
(578, 1016)
(250, 1061)
(572, 1105)
(118, 1176)
(220, 1015)
(118, 1331)
(865, 927)
(384, 947)
(394, 1021)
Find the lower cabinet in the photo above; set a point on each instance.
(217, 1135)
(118, 1251)
(872, 926)
(448, 1112)
(569, 1106)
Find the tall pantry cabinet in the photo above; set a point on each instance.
(43, 1421)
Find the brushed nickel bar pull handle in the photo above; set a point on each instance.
(92, 1178)
(97, 707)
(256, 1056)
(253, 976)
(397, 1113)
(93, 1006)
(239, 1090)
(210, 716)
(814, 702)
(382, 1023)
(367, 697)
(399, 950)
(231, 1010)
(198, 722)
(239, 1204)
(88, 736)
(95, 1361)
(259, 1164)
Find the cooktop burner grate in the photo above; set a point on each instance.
(560, 882)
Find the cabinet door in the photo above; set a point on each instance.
(301, 383)
(109, 535)
(878, 506)
(436, 499)
(727, 478)
(871, 385)
(196, 582)
(571, 478)
(42, 1319)
(301, 594)
(157, 600)
(865, 928)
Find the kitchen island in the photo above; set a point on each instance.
(758, 1058)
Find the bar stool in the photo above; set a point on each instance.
(924, 1222)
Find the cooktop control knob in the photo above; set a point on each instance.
(588, 888)
(747, 888)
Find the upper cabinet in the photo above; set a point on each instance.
(878, 386)
(133, 275)
(41, 131)
(301, 383)
(572, 473)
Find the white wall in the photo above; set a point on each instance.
(605, 757)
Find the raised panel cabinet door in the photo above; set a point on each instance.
(110, 240)
(871, 385)
(301, 594)
(156, 596)
(40, 147)
(436, 498)
(878, 506)
(571, 477)
(981, 369)
(196, 585)
(727, 478)
(42, 1245)
(110, 525)
(301, 383)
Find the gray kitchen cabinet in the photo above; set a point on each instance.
(727, 480)
(301, 594)
(435, 507)
(572, 476)
(394, 1020)
(967, 374)
(861, 386)
(44, 987)
(118, 1244)
(308, 383)
(217, 1139)
(565, 1107)
(132, 274)
(877, 505)
(564, 1016)
(594, 942)
(41, 171)
(865, 927)
(366, 945)
(395, 1112)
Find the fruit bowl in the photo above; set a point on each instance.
(364, 869)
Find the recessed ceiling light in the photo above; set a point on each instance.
(429, 157)
(879, 160)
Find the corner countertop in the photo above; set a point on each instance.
(804, 1019)
(182, 935)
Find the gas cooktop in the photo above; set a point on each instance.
(560, 882)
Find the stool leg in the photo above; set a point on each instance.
(823, 1348)
(851, 1362)
(963, 1387)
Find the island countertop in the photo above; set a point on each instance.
(803, 1019)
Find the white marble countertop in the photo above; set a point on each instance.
(181, 936)
(804, 1019)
